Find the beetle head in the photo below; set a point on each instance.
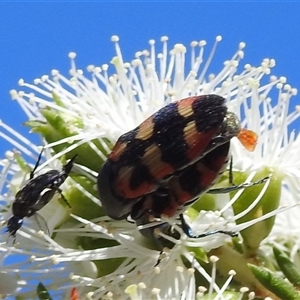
(231, 126)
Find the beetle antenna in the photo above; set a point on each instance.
(36, 164)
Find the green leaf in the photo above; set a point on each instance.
(287, 267)
(278, 286)
(42, 292)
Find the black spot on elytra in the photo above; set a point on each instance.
(139, 176)
(209, 112)
(209, 160)
(168, 135)
(134, 151)
(190, 177)
(189, 180)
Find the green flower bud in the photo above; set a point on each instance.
(254, 234)
(59, 125)
(80, 203)
(205, 202)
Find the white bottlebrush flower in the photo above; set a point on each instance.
(110, 259)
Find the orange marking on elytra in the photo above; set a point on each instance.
(145, 130)
(118, 149)
(185, 108)
(209, 175)
(152, 159)
(197, 141)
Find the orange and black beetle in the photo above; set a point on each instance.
(168, 161)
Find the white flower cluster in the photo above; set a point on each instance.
(102, 107)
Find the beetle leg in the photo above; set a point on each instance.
(188, 231)
(230, 171)
(233, 188)
(38, 218)
(63, 197)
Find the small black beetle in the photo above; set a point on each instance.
(37, 193)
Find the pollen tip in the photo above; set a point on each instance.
(131, 289)
(13, 94)
(242, 45)
(202, 289)
(72, 55)
(114, 38)
(142, 285)
(21, 82)
(214, 258)
(164, 38)
(90, 68)
(244, 289)
(41, 233)
(90, 295)
(44, 78)
(155, 291)
(54, 72)
(37, 81)
(194, 44)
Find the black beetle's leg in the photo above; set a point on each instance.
(159, 258)
(229, 189)
(63, 197)
(230, 171)
(39, 217)
(188, 231)
(36, 164)
(234, 187)
(14, 238)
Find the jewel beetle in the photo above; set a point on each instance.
(171, 159)
(37, 192)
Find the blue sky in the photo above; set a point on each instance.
(37, 37)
